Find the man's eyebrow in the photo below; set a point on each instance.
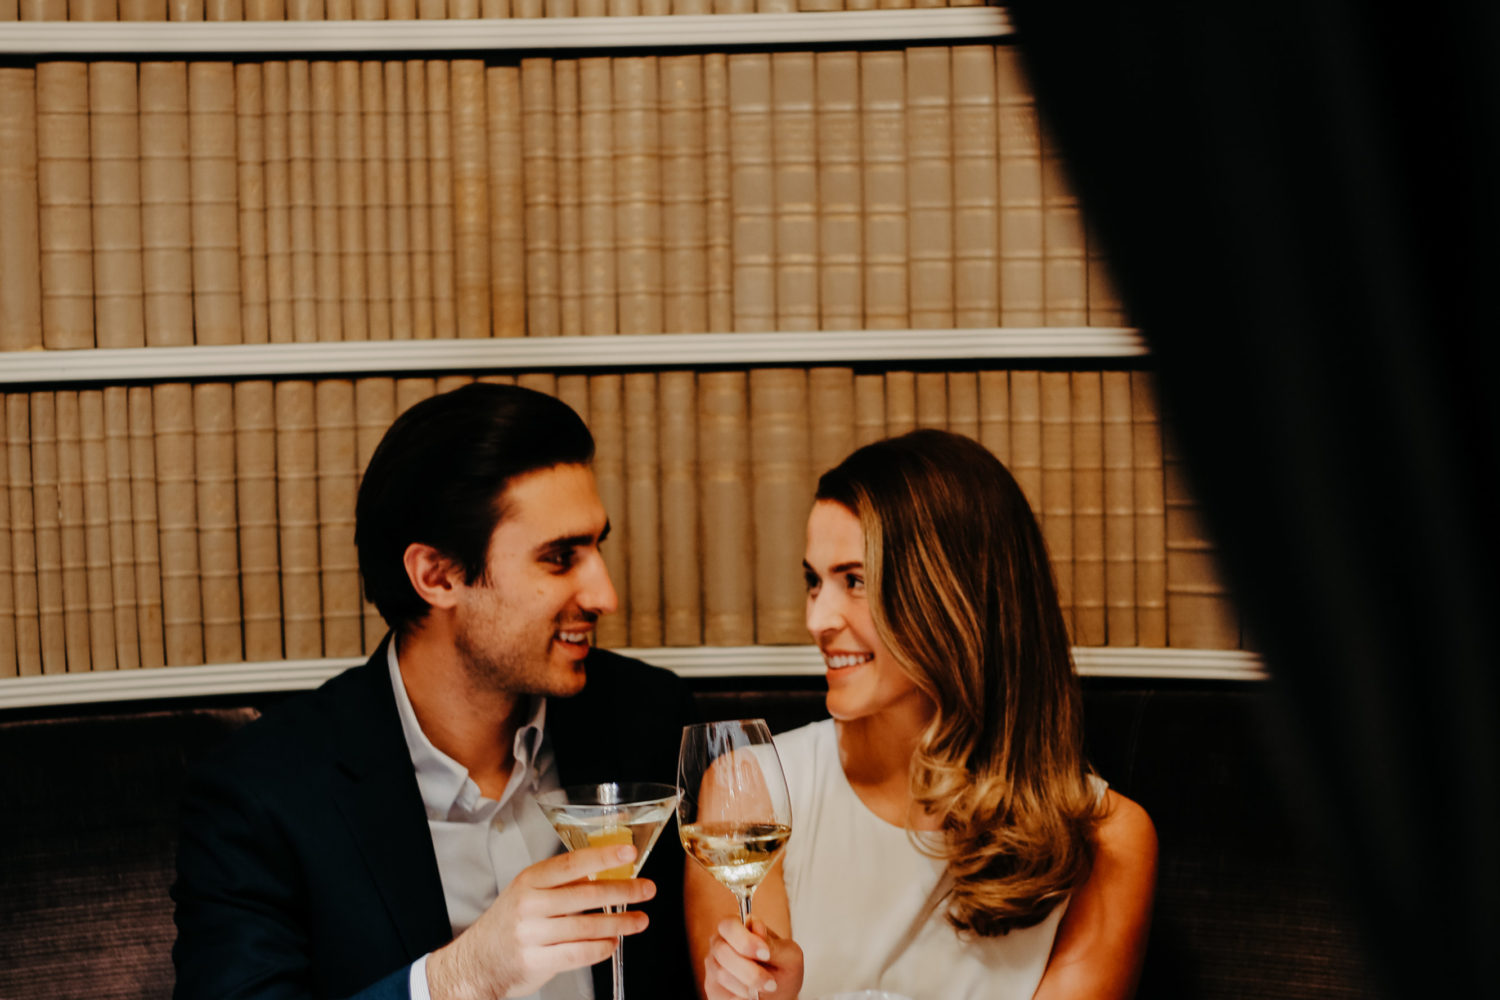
(574, 541)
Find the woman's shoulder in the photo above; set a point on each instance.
(805, 754)
(1125, 830)
(804, 738)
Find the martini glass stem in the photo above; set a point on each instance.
(617, 960)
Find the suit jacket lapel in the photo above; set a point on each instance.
(376, 792)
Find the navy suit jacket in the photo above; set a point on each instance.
(305, 867)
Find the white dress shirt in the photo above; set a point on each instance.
(482, 844)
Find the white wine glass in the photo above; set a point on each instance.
(611, 814)
(734, 816)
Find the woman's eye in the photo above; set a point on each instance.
(853, 581)
(811, 580)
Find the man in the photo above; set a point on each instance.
(377, 837)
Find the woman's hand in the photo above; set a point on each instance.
(741, 958)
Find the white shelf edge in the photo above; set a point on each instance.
(281, 38)
(529, 353)
(690, 662)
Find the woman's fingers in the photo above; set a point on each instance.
(743, 941)
(746, 972)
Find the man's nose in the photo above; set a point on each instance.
(598, 591)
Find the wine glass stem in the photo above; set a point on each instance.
(617, 960)
(743, 898)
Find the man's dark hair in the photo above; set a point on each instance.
(439, 476)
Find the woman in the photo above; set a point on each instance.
(948, 839)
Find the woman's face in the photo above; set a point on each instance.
(863, 677)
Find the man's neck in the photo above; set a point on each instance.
(475, 726)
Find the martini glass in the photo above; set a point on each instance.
(735, 815)
(611, 814)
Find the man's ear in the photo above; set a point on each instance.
(434, 576)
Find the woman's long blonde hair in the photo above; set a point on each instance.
(961, 592)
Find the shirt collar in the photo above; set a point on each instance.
(447, 790)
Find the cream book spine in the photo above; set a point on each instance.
(1025, 458)
(215, 212)
(1150, 513)
(638, 193)
(684, 200)
(597, 237)
(21, 248)
(1119, 509)
(177, 520)
(374, 118)
(1065, 266)
(77, 606)
(166, 205)
(1105, 307)
(794, 143)
(507, 202)
(1200, 611)
(781, 475)
(325, 201)
(869, 408)
(1057, 488)
(1089, 602)
(471, 198)
(250, 151)
(569, 199)
(259, 547)
(115, 150)
(540, 177)
(354, 290)
(9, 666)
(278, 199)
(607, 421)
(64, 205)
(297, 518)
(96, 531)
(963, 404)
(883, 132)
(929, 140)
(374, 411)
(753, 187)
(218, 522)
(397, 202)
(718, 197)
(420, 200)
(46, 510)
(900, 402)
(994, 414)
(830, 399)
(840, 193)
(338, 481)
(440, 177)
(976, 188)
(1020, 168)
(682, 602)
(931, 398)
(308, 264)
(728, 537)
(147, 535)
(25, 581)
(122, 550)
(643, 508)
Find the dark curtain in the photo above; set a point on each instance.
(1302, 202)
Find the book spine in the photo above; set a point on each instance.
(250, 151)
(325, 201)
(338, 481)
(869, 408)
(682, 603)
(718, 196)
(43, 10)
(931, 399)
(64, 205)
(25, 581)
(1057, 487)
(412, 390)
(883, 131)
(728, 540)
(1065, 267)
(1089, 626)
(1020, 170)
(96, 531)
(540, 177)
(166, 209)
(114, 142)
(354, 291)
(255, 485)
(8, 662)
(1119, 510)
(569, 202)
(994, 414)
(122, 555)
(46, 510)
(280, 281)
(1025, 459)
(218, 536)
(840, 193)
(684, 201)
(146, 526)
(177, 520)
(753, 187)
(471, 205)
(1200, 611)
(21, 248)
(929, 129)
(146, 10)
(77, 609)
(597, 189)
(976, 186)
(507, 203)
(420, 199)
(781, 477)
(963, 404)
(607, 421)
(795, 156)
(440, 219)
(643, 508)
(638, 194)
(1150, 513)
(900, 402)
(397, 202)
(1105, 308)
(830, 399)
(376, 212)
(308, 263)
(262, 10)
(374, 411)
(212, 161)
(297, 519)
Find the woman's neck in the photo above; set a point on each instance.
(875, 752)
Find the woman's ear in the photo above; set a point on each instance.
(434, 576)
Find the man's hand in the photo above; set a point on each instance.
(538, 927)
(741, 959)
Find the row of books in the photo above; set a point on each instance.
(379, 10)
(213, 522)
(172, 203)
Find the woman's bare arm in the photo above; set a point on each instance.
(707, 904)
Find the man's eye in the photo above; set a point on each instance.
(562, 558)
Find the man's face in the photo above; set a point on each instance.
(526, 626)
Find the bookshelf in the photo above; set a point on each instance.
(345, 206)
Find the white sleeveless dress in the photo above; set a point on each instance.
(856, 885)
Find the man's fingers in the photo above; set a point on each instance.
(577, 954)
(590, 927)
(581, 896)
(742, 941)
(560, 869)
